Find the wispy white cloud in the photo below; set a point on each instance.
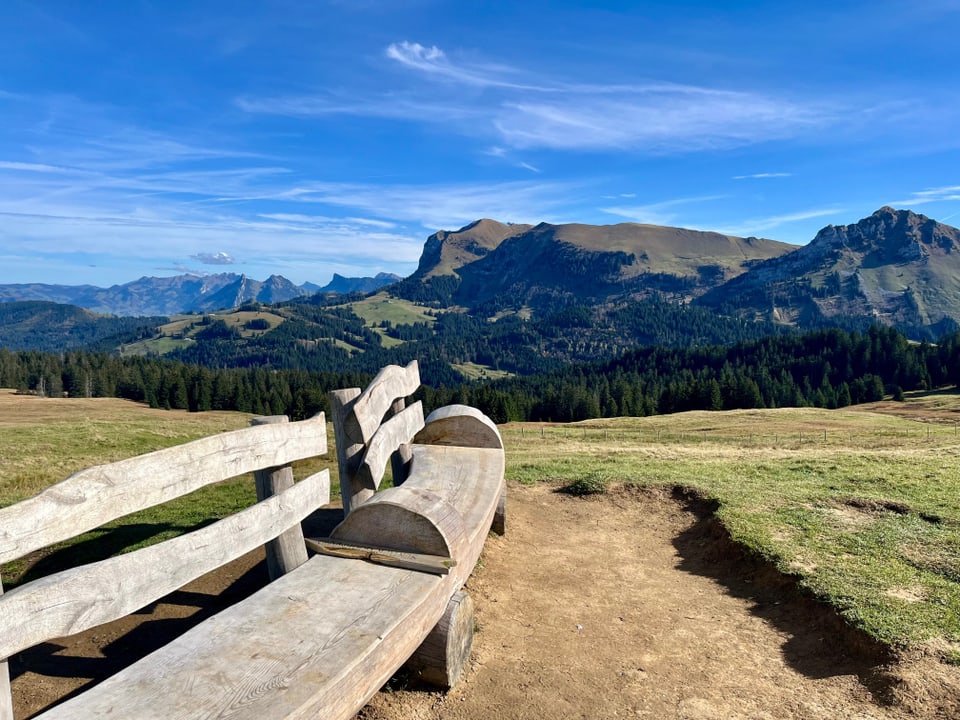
(517, 109)
(922, 197)
(659, 213)
(434, 61)
(754, 226)
(761, 176)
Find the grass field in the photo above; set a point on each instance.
(862, 506)
(473, 371)
(381, 307)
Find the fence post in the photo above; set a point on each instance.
(349, 450)
(288, 550)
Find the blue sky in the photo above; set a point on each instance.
(153, 137)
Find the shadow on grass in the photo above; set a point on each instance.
(820, 644)
(100, 652)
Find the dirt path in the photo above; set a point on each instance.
(630, 606)
(627, 605)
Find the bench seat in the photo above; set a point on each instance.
(317, 642)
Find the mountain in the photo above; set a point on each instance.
(895, 267)
(446, 252)
(494, 266)
(342, 285)
(161, 296)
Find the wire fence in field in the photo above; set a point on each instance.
(932, 435)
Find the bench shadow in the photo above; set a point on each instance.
(820, 643)
(100, 652)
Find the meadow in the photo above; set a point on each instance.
(861, 506)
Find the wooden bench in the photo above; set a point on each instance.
(325, 634)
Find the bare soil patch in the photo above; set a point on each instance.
(630, 604)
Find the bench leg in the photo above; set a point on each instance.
(499, 525)
(443, 655)
(6, 698)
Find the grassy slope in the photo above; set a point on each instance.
(867, 518)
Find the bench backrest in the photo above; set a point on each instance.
(373, 427)
(83, 597)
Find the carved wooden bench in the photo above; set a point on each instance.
(325, 634)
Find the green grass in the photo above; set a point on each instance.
(867, 517)
(377, 308)
(473, 371)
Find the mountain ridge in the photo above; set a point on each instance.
(176, 294)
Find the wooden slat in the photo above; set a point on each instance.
(390, 383)
(75, 600)
(316, 643)
(398, 430)
(97, 495)
(436, 564)
(6, 696)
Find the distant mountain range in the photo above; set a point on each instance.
(895, 267)
(185, 293)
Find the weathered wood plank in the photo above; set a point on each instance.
(349, 453)
(80, 598)
(400, 460)
(459, 425)
(407, 519)
(97, 495)
(465, 477)
(396, 431)
(436, 564)
(316, 643)
(6, 696)
(286, 551)
(390, 383)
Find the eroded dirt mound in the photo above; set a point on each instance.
(636, 604)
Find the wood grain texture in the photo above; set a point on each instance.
(396, 431)
(445, 652)
(6, 696)
(390, 383)
(436, 564)
(316, 643)
(83, 597)
(400, 460)
(408, 519)
(349, 452)
(460, 425)
(286, 551)
(470, 479)
(97, 495)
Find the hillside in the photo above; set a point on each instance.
(895, 267)
(52, 327)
